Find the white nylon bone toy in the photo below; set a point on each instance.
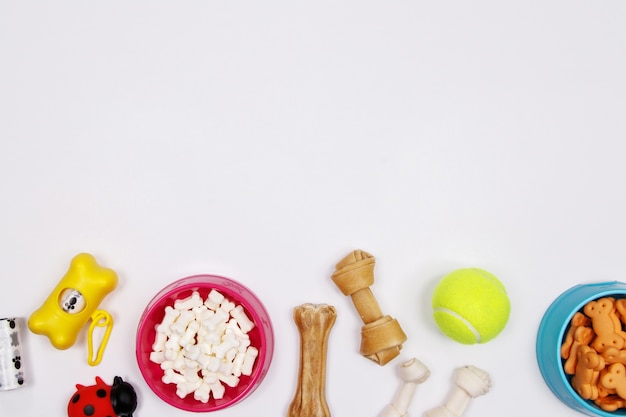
(412, 372)
(470, 382)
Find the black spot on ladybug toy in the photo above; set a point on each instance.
(102, 400)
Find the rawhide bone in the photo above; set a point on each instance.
(381, 336)
(314, 322)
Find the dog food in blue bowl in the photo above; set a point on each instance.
(581, 348)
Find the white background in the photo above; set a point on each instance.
(265, 140)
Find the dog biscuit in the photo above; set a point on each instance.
(610, 403)
(615, 378)
(588, 367)
(582, 337)
(578, 320)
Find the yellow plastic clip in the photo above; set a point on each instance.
(100, 318)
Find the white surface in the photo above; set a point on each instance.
(265, 140)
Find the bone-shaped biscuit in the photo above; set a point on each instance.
(606, 324)
(604, 392)
(614, 355)
(604, 319)
(601, 343)
(578, 320)
(615, 379)
(582, 337)
(620, 306)
(588, 367)
(610, 403)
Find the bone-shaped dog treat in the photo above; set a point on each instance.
(604, 392)
(615, 379)
(582, 337)
(602, 314)
(578, 320)
(610, 403)
(470, 382)
(412, 372)
(605, 323)
(381, 336)
(620, 306)
(613, 355)
(314, 322)
(608, 400)
(587, 375)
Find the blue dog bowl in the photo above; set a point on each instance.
(552, 329)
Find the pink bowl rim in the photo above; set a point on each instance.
(254, 307)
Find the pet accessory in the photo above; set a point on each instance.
(73, 302)
(11, 361)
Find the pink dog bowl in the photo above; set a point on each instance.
(261, 337)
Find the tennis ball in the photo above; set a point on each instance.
(470, 306)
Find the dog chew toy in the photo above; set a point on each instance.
(470, 382)
(314, 322)
(470, 306)
(102, 400)
(73, 302)
(381, 336)
(412, 373)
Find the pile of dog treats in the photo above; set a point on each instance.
(594, 352)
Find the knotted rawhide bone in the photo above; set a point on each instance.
(314, 322)
(381, 336)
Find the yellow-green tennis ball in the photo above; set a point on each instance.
(470, 306)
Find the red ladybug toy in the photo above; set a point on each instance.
(102, 400)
